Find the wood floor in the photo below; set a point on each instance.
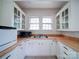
(40, 57)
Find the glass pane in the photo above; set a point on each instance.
(46, 20)
(23, 26)
(66, 25)
(18, 13)
(66, 19)
(63, 14)
(34, 26)
(15, 10)
(47, 27)
(63, 19)
(66, 11)
(58, 19)
(63, 25)
(34, 20)
(23, 16)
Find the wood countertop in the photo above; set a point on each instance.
(2, 53)
(7, 50)
(69, 41)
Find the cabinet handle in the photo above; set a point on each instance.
(8, 56)
(20, 45)
(65, 53)
(64, 58)
(65, 48)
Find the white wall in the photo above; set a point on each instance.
(41, 13)
(7, 14)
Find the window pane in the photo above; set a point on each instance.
(46, 27)
(46, 20)
(34, 26)
(34, 20)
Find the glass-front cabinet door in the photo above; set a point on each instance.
(23, 21)
(58, 22)
(16, 18)
(65, 17)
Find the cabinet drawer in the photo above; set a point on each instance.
(66, 48)
(10, 55)
(7, 56)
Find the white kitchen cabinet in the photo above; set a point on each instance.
(19, 17)
(17, 53)
(47, 48)
(59, 50)
(67, 17)
(20, 50)
(69, 53)
(65, 52)
(58, 22)
(52, 46)
(10, 55)
(78, 55)
(11, 14)
(7, 37)
(6, 12)
(62, 18)
(73, 55)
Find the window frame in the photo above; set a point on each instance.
(47, 23)
(40, 22)
(33, 23)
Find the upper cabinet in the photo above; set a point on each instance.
(11, 14)
(67, 17)
(19, 18)
(6, 12)
(23, 21)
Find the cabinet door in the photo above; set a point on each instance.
(59, 50)
(65, 19)
(78, 56)
(73, 55)
(11, 55)
(52, 46)
(23, 21)
(58, 22)
(69, 53)
(20, 51)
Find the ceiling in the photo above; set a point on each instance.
(41, 3)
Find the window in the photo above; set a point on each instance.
(46, 26)
(34, 26)
(34, 20)
(34, 23)
(47, 23)
(46, 20)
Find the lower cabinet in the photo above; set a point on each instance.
(77, 55)
(20, 52)
(73, 54)
(65, 52)
(17, 53)
(62, 51)
(11, 55)
(59, 50)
